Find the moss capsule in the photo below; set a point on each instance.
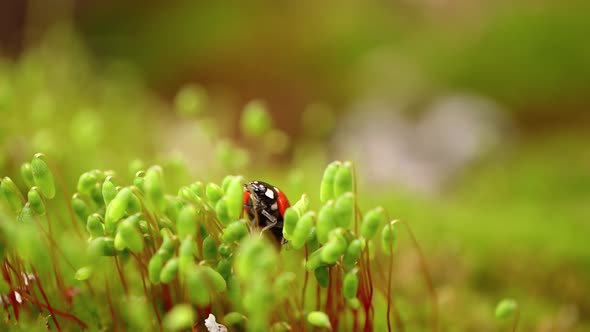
(327, 184)
(326, 221)
(42, 176)
(186, 224)
(36, 201)
(372, 222)
(169, 270)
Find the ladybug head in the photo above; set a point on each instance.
(263, 194)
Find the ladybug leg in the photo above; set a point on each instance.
(273, 221)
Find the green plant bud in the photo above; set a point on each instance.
(83, 273)
(350, 285)
(96, 194)
(134, 205)
(209, 249)
(120, 244)
(326, 221)
(256, 258)
(276, 141)
(130, 235)
(186, 223)
(226, 181)
(225, 250)
(258, 301)
(312, 240)
(155, 268)
(186, 194)
(389, 236)
(154, 187)
(302, 230)
(144, 227)
(234, 289)
(26, 214)
(81, 209)
(27, 174)
(256, 120)
(109, 190)
(344, 209)
(234, 196)
(282, 284)
(214, 193)
(354, 304)
(117, 207)
(42, 176)
(290, 220)
(319, 319)
(302, 205)
(169, 270)
(353, 252)
(197, 287)
(224, 268)
(280, 327)
(172, 207)
(372, 222)
(222, 212)
(36, 201)
(214, 278)
(506, 308)
(198, 189)
(135, 166)
(343, 180)
(139, 180)
(186, 252)
(190, 100)
(86, 182)
(94, 225)
(178, 318)
(335, 247)
(315, 260)
(234, 232)
(233, 318)
(12, 195)
(168, 244)
(327, 184)
(102, 246)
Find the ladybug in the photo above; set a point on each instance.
(265, 205)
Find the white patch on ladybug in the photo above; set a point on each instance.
(274, 206)
(269, 193)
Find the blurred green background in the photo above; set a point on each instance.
(469, 119)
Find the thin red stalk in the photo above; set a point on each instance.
(57, 312)
(12, 300)
(304, 283)
(54, 245)
(42, 291)
(389, 276)
(328, 307)
(122, 277)
(318, 297)
(390, 302)
(111, 309)
(427, 278)
(355, 320)
(54, 262)
(156, 311)
(369, 300)
(63, 188)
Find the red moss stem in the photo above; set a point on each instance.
(427, 278)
